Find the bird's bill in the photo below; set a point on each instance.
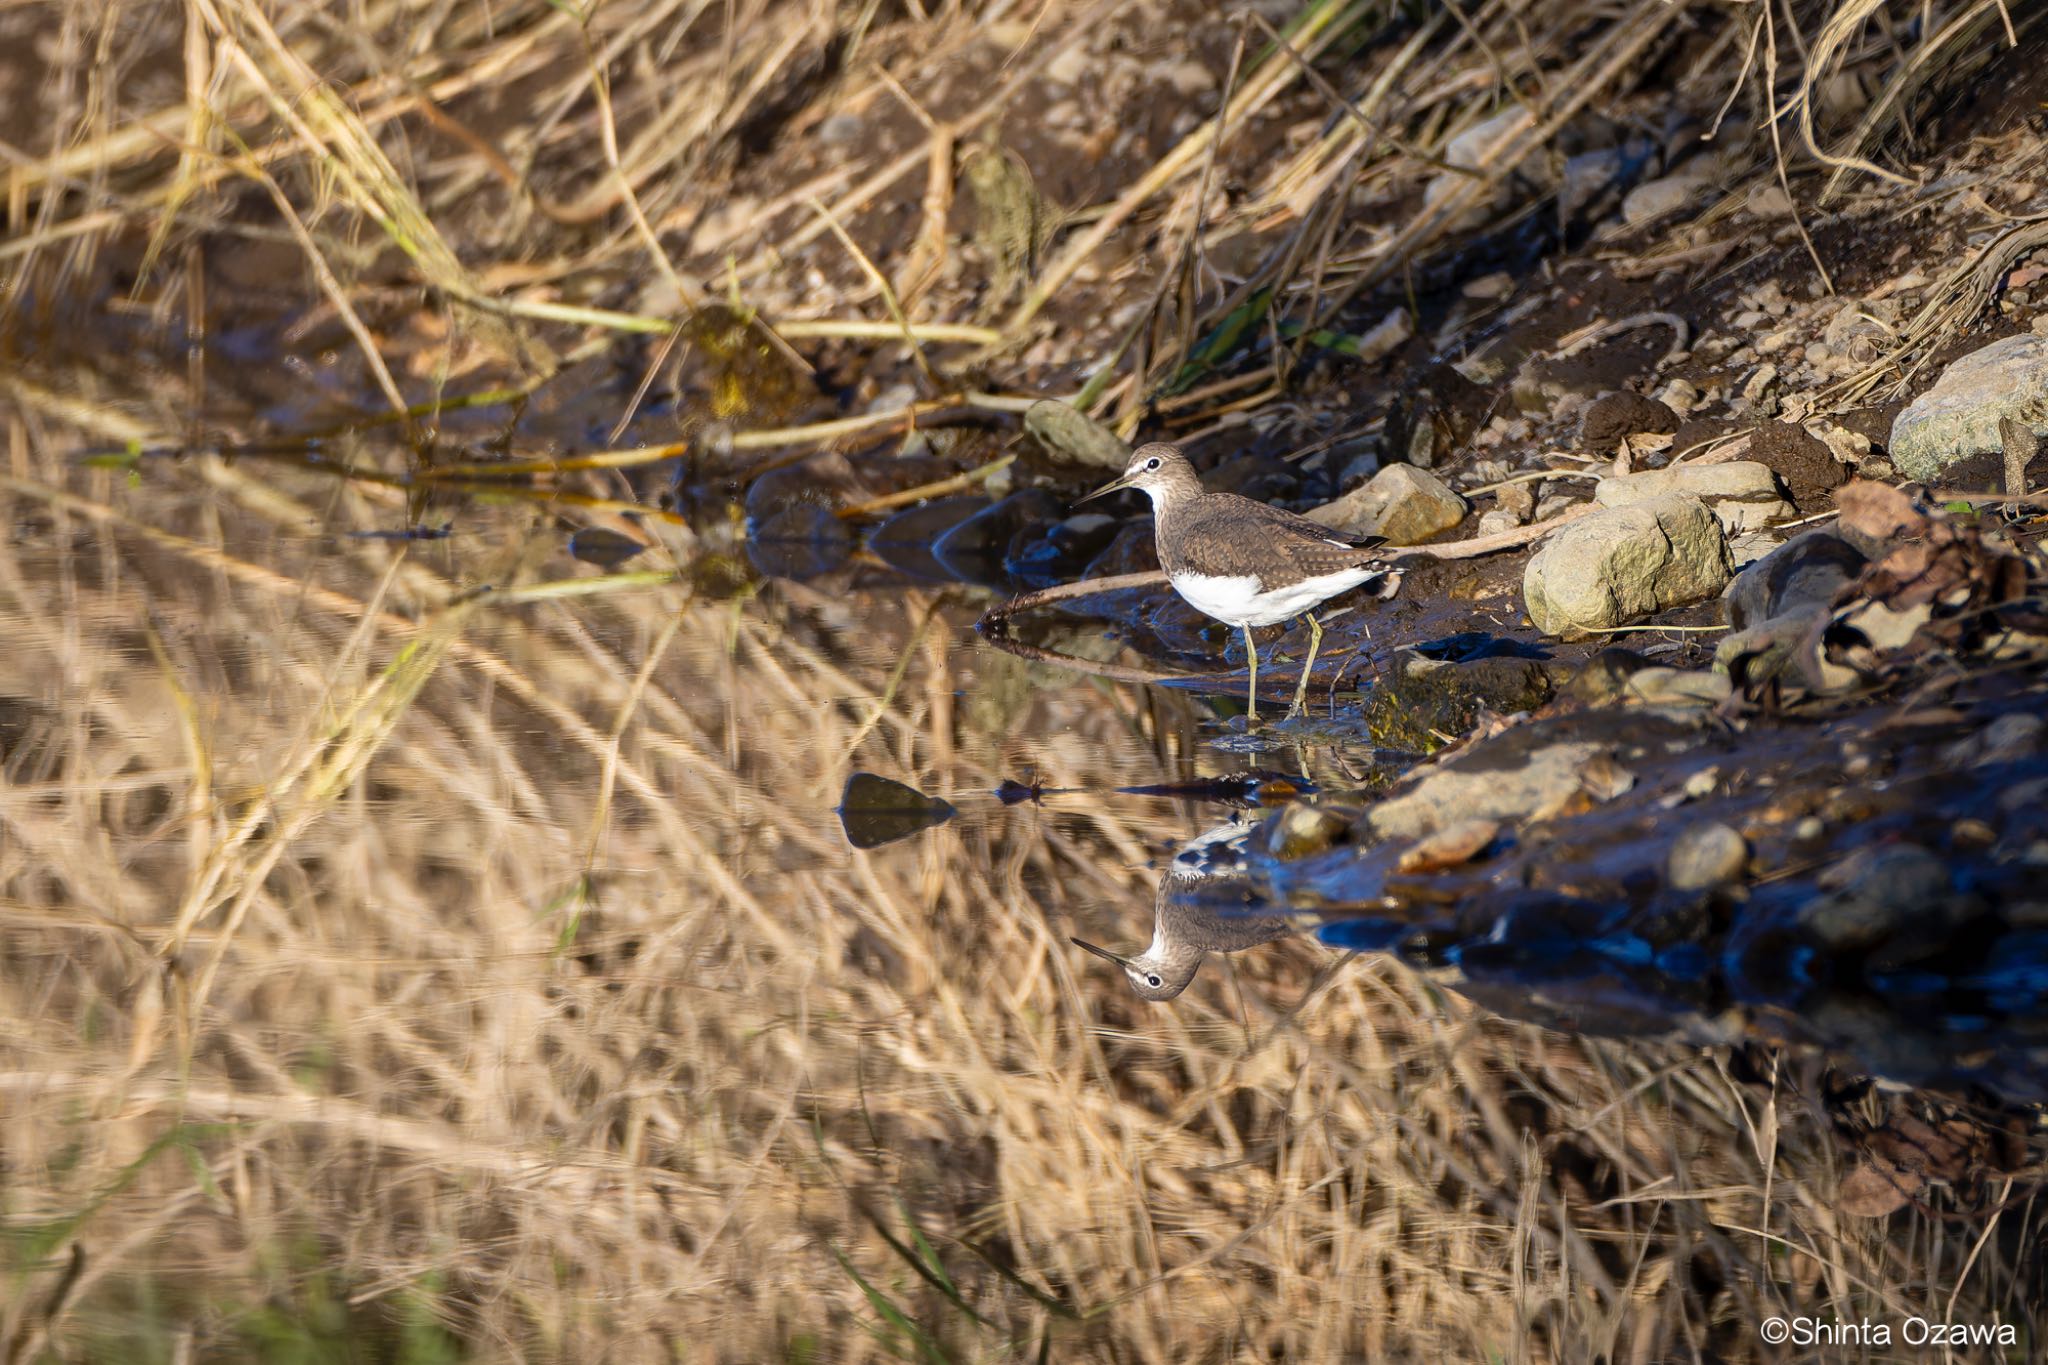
(1112, 486)
(1100, 952)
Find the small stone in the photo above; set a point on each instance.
(1678, 687)
(1624, 563)
(1756, 392)
(1496, 521)
(1680, 395)
(1705, 856)
(1743, 493)
(1405, 504)
(1775, 342)
(1069, 66)
(1768, 201)
(1959, 416)
(840, 130)
(1653, 199)
(1467, 151)
(1190, 78)
(1818, 353)
(1702, 784)
(1386, 336)
(1498, 285)
(1518, 498)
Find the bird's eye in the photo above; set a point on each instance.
(1154, 982)
(1152, 463)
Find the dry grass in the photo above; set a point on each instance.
(386, 965)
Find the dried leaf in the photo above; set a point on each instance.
(1877, 511)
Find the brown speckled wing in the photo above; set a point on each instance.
(1225, 536)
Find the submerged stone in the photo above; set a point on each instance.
(975, 549)
(905, 541)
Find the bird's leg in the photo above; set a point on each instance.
(1251, 652)
(1315, 642)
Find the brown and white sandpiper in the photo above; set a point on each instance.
(1245, 563)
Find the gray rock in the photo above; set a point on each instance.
(1066, 431)
(1517, 498)
(1802, 575)
(1900, 896)
(1743, 493)
(1498, 520)
(1543, 782)
(1653, 199)
(1677, 687)
(1959, 416)
(1405, 504)
(1624, 563)
(1706, 855)
(1467, 151)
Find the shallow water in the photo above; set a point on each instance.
(423, 854)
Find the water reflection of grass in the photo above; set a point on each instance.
(536, 985)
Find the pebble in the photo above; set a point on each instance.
(1498, 285)
(1680, 395)
(1759, 386)
(1653, 199)
(1624, 563)
(1405, 504)
(1678, 686)
(1519, 498)
(840, 130)
(1768, 201)
(1706, 856)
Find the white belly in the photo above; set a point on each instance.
(1238, 601)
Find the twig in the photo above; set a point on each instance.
(939, 488)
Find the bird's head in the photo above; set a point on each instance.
(1157, 468)
(1152, 977)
